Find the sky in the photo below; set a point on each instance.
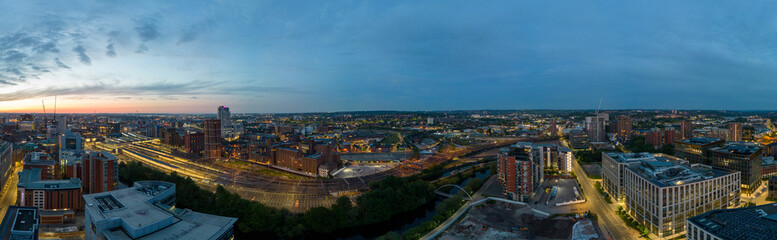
(321, 56)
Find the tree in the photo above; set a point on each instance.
(390, 236)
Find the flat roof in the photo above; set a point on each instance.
(25, 220)
(665, 172)
(738, 148)
(757, 222)
(128, 204)
(30, 179)
(137, 208)
(192, 225)
(19, 222)
(700, 140)
(630, 157)
(38, 158)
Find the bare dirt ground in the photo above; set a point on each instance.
(508, 221)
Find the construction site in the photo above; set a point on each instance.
(500, 220)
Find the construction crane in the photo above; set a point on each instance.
(45, 119)
(600, 106)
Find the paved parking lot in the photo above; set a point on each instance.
(592, 168)
(564, 191)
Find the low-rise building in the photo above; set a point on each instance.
(48, 194)
(663, 193)
(40, 160)
(20, 223)
(147, 211)
(756, 222)
(613, 167)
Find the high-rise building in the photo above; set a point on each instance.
(20, 223)
(661, 194)
(70, 141)
(147, 211)
(212, 138)
(61, 124)
(6, 163)
(226, 121)
(686, 129)
(624, 126)
(744, 157)
(595, 127)
(521, 171)
(194, 141)
(735, 132)
(100, 172)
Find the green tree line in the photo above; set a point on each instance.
(386, 198)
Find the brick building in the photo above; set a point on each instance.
(100, 172)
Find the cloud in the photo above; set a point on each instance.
(142, 48)
(81, 51)
(13, 57)
(61, 64)
(47, 47)
(147, 29)
(192, 32)
(162, 89)
(110, 51)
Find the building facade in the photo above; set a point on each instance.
(697, 149)
(686, 129)
(624, 126)
(194, 142)
(595, 126)
(226, 121)
(772, 188)
(735, 132)
(212, 148)
(48, 194)
(578, 139)
(100, 172)
(613, 167)
(49, 168)
(742, 157)
(521, 171)
(662, 194)
(6, 163)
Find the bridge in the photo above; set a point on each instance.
(438, 192)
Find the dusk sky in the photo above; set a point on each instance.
(318, 56)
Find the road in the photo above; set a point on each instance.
(608, 219)
(9, 195)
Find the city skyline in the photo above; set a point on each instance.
(169, 57)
